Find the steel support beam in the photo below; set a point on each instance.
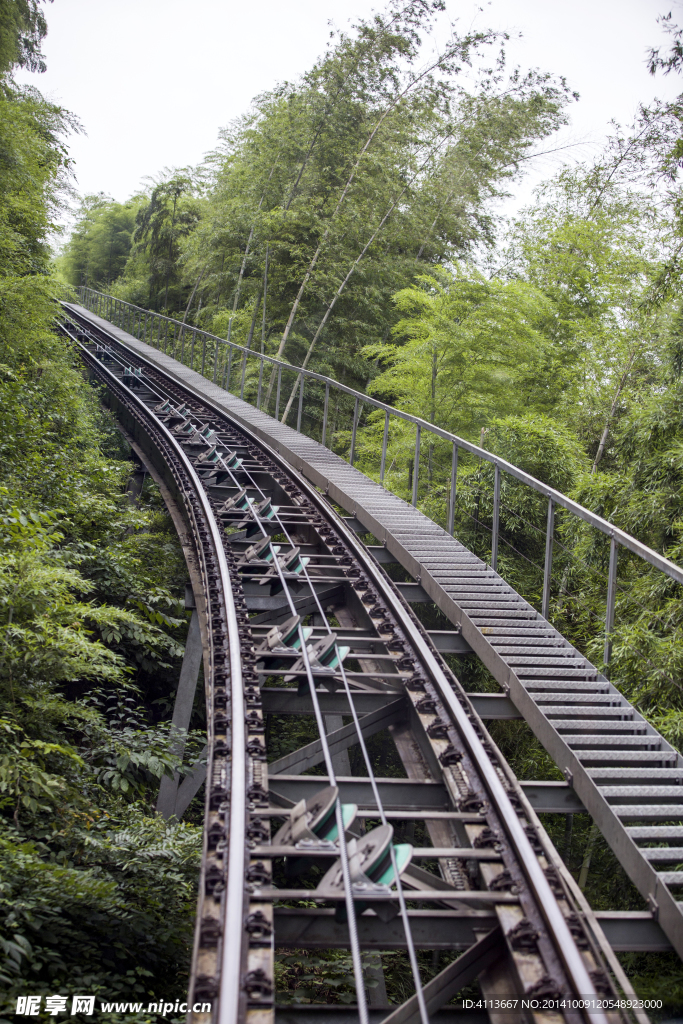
(408, 794)
(627, 931)
(413, 593)
(493, 705)
(182, 713)
(395, 794)
(286, 701)
(633, 931)
(312, 928)
(191, 785)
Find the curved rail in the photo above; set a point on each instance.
(451, 736)
(234, 901)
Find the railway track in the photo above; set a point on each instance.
(304, 635)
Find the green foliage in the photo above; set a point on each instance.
(170, 214)
(96, 893)
(80, 902)
(467, 349)
(22, 30)
(97, 251)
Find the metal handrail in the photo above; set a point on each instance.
(555, 498)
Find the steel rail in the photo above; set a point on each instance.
(633, 545)
(539, 888)
(363, 1012)
(234, 903)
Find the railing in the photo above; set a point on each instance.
(143, 324)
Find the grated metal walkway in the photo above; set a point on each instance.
(622, 770)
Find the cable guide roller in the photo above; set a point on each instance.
(287, 636)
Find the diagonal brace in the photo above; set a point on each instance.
(452, 979)
(341, 739)
(182, 712)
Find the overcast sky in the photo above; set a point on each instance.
(152, 81)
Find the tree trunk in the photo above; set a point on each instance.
(170, 252)
(603, 440)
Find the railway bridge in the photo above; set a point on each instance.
(294, 616)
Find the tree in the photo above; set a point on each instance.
(358, 176)
(170, 214)
(98, 248)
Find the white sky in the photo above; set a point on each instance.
(153, 80)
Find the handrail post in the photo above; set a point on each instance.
(327, 402)
(277, 394)
(194, 338)
(260, 383)
(215, 360)
(384, 447)
(496, 519)
(182, 344)
(203, 354)
(451, 499)
(301, 402)
(228, 372)
(416, 463)
(548, 564)
(611, 598)
(353, 432)
(244, 371)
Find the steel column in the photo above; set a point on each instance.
(548, 564)
(451, 499)
(182, 713)
(301, 402)
(353, 432)
(327, 400)
(416, 464)
(228, 372)
(496, 519)
(384, 447)
(260, 384)
(611, 597)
